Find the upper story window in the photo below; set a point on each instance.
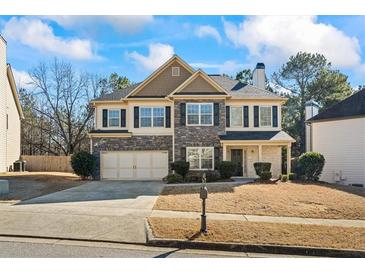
(236, 117)
(265, 116)
(152, 116)
(114, 117)
(175, 71)
(200, 157)
(199, 114)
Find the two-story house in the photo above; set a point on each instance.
(178, 113)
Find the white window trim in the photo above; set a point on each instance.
(175, 69)
(119, 123)
(270, 117)
(200, 159)
(230, 116)
(152, 125)
(199, 114)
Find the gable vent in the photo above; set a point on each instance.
(175, 71)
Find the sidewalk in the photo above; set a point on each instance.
(256, 218)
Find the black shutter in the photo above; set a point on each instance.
(183, 154)
(182, 114)
(245, 116)
(256, 116)
(228, 123)
(216, 157)
(274, 116)
(136, 117)
(168, 116)
(105, 118)
(216, 114)
(122, 117)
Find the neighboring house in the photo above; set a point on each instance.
(178, 113)
(339, 134)
(10, 114)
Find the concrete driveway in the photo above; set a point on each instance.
(106, 210)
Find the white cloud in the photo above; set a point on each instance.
(121, 23)
(228, 67)
(208, 31)
(22, 79)
(157, 55)
(36, 34)
(274, 38)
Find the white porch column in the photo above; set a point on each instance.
(224, 152)
(288, 159)
(260, 153)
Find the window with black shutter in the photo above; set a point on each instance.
(183, 154)
(182, 114)
(216, 157)
(105, 118)
(274, 116)
(256, 116)
(123, 117)
(168, 117)
(245, 116)
(136, 117)
(228, 124)
(216, 114)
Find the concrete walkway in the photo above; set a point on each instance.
(256, 218)
(109, 211)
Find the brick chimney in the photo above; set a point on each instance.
(258, 76)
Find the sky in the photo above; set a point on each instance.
(134, 46)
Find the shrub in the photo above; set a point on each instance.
(212, 175)
(284, 178)
(265, 175)
(226, 169)
(261, 167)
(310, 165)
(197, 176)
(83, 164)
(292, 176)
(181, 167)
(174, 178)
(193, 177)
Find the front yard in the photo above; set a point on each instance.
(260, 233)
(311, 200)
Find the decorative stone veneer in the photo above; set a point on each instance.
(133, 143)
(198, 136)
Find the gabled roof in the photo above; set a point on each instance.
(118, 94)
(199, 73)
(11, 80)
(240, 90)
(353, 106)
(158, 71)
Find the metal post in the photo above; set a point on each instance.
(203, 227)
(203, 196)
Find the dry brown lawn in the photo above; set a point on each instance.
(311, 200)
(260, 233)
(27, 185)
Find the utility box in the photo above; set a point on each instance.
(18, 166)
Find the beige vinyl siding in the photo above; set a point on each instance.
(199, 85)
(99, 114)
(342, 143)
(3, 87)
(164, 83)
(251, 104)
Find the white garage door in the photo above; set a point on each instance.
(133, 165)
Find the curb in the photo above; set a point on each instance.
(253, 248)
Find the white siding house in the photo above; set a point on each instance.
(10, 114)
(338, 133)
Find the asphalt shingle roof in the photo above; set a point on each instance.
(351, 106)
(256, 135)
(117, 95)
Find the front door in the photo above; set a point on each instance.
(236, 157)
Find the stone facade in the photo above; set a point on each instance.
(129, 144)
(198, 136)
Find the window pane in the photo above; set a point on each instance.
(265, 116)
(193, 119)
(206, 109)
(158, 121)
(193, 109)
(146, 122)
(207, 164)
(158, 112)
(207, 153)
(114, 118)
(206, 119)
(193, 158)
(145, 112)
(236, 116)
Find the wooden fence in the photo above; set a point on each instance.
(47, 163)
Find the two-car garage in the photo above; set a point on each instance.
(133, 165)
